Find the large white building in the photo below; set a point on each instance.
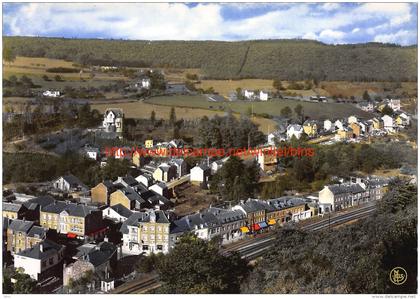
(113, 120)
(40, 260)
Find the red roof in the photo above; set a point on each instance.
(70, 235)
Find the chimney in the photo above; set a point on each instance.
(41, 247)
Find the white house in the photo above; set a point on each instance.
(160, 188)
(339, 125)
(249, 94)
(116, 213)
(263, 96)
(68, 183)
(200, 174)
(294, 130)
(92, 152)
(145, 83)
(327, 125)
(277, 135)
(39, 260)
(113, 120)
(388, 123)
(145, 179)
(51, 93)
(394, 104)
(352, 119)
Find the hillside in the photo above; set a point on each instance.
(265, 59)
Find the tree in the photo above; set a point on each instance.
(172, 117)
(366, 96)
(299, 112)
(45, 77)
(209, 272)
(278, 85)
(8, 55)
(387, 110)
(153, 117)
(58, 78)
(286, 112)
(24, 283)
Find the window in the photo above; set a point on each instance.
(159, 247)
(51, 261)
(145, 247)
(44, 263)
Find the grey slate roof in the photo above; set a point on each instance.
(226, 216)
(117, 112)
(11, 207)
(191, 222)
(252, 206)
(50, 248)
(96, 254)
(74, 181)
(346, 188)
(285, 202)
(42, 200)
(19, 225)
(73, 209)
(37, 232)
(122, 210)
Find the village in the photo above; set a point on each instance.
(58, 237)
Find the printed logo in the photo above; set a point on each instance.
(398, 275)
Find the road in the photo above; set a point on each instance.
(251, 249)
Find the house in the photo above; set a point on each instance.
(23, 234)
(176, 88)
(263, 96)
(248, 94)
(356, 128)
(129, 198)
(394, 104)
(377, 123)
(160, 188)
(200, 174)
(126, 181)
(41, 261)
(14, 210)
(328, 125)
(148, 143)
(165, 172)
(138, 158)
(73, 220)
(310, 127)
(101, 192)
(146, 232)
(389, 124)
(255, 213)
(344, 134)
(339, 125)
(143, 83)
(215, 166)
(366, 106)
(117, 213)
(204, 225)
(285, 209)
(145, 179)
(230, 223)
(342, 196)
(294, 130)
(113, 120)
(181, 167)
(69, 183)
(276, 136)
(267, 159)
(100, 258)
(352, 119)
(91, 152)
(51, 93)
(402, 119)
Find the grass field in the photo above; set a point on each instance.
(325, 88)
(143, 110)
(35, 68)
(313, 110)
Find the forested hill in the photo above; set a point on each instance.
(283, 59)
